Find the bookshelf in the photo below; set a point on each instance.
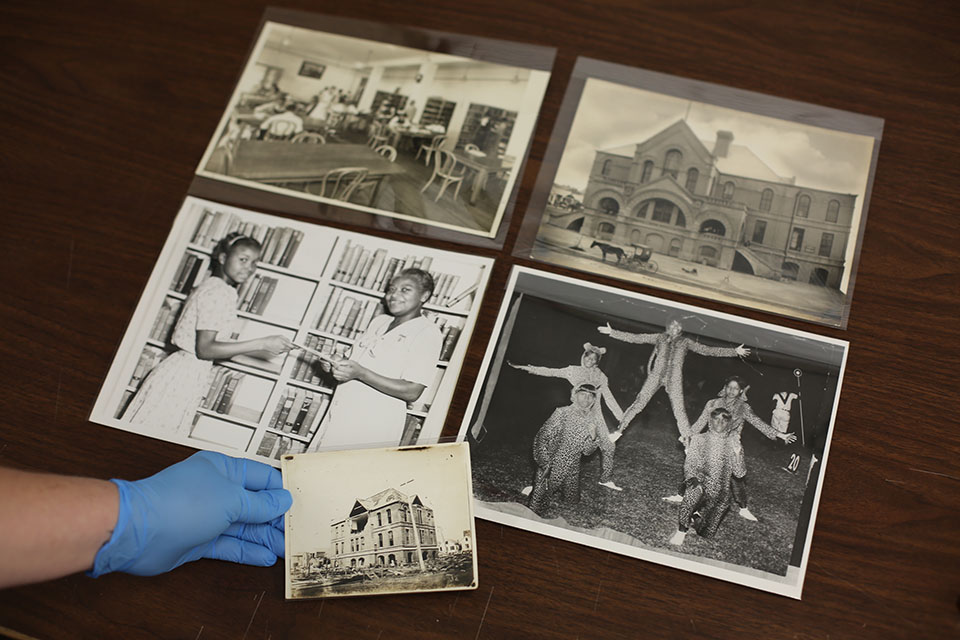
(437, 111)
(320, 288)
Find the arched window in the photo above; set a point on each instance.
(790, 270)
(833, 211)
(796, 239)
(662, 210)
(380, 539)
(390, 538)
(693, 174)
(605, 230)
(671, 163)
(389, 517)
(609, 206)
(647, 171)
(681, 220)
(728, 191)
(766, 199)
(675, 246)
(714, 227)
(803, 206)
(379, 519)
(641, 211)
(607, 164)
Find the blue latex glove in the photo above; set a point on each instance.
(208, 506)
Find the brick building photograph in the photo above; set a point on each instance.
(708, 200)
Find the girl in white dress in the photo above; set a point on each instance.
(172, 392)
(392, 364)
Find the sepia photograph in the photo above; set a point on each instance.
(653, 429)
(710, 191)
(262, 336)
(415, 134)
(379, 521)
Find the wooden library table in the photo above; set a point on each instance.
(110, 104)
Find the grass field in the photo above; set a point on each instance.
(649, 466)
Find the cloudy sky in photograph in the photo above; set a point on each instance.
(611, 115)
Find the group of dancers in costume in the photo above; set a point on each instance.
(391, 363)
(714, 468)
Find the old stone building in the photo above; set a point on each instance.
(386, 529)
(719, 205)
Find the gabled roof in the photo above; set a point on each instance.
(377, 500)
(741, 161)
(680, 128)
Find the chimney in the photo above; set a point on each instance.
(722, 146)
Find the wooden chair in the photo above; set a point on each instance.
(279, 130)
(339, 184)
(430, 149)
(387, 152)
(309, 137)
(445, 164)
(378, 135)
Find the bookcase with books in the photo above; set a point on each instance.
(320, 288)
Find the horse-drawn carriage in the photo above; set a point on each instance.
(639, 261)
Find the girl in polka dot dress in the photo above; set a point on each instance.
(172, 392)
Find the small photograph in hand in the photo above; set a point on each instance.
(379, 521)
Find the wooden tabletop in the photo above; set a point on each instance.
(108, 107)
(268, 160)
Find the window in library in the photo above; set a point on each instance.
(609, 206)
(790, 271)
(605, 230)
(662, 210)
(675, 246)
(826, 245)
(728, 191)
(759, 230)
(647, 172)
(803, 205)
(796, 239)
(714, 227)
(487, 127)
(693, 174)
(671, 163)
(766, 199)
(833, 211)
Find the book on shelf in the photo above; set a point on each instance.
(262, 296)
(278, 244)
(411, 430)
(267, 444)
(287, 403)
(166, 318)
(451, 333)
(299, 395)
(226, 401)
(149, 358)
(310, 421)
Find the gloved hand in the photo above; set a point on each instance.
(208, 506)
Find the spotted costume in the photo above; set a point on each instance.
(740, 412)
(665, 369)
(707, 471)
(580, 374)
(564, 438)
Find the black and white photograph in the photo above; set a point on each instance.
(262, 336)
(654, 429)
(415, 134)
(707, 190)
(379, 521)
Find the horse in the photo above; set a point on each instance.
(609, 248)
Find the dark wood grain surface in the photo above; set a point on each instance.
(106, 110)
